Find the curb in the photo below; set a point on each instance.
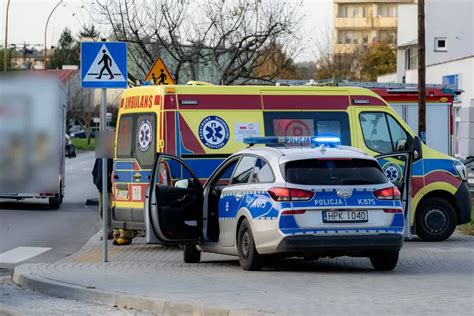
(24, 277)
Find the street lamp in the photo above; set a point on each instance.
(46, 30)
(5, 48)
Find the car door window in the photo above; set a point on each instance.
(262, 172)
(244, 170)
(172, 173)
(224, 176)
(399, 135)
(382, 133)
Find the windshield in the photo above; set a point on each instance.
(334, 172)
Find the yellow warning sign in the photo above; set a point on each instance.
(159, 74)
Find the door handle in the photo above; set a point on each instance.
(181, 199)
(137, 176)
(116, 177)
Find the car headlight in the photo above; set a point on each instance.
(461, 169)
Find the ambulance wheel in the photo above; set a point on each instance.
(55, 201)
(435, 220)
(249, 259)
(386, 261)
(191, 254)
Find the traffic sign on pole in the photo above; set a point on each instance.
(104, 64)
(159, 74)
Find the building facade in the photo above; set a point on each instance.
(449, 55)
(359, 23)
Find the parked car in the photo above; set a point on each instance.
(77, 131)
(283, 201)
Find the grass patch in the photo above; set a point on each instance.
(81, 143)
(468, 228)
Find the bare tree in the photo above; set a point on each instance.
(81, 111)
(231, 36)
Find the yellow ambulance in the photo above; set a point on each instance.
(202, 124)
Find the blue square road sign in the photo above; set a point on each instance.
(104, 64)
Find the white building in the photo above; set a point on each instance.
(449, 51)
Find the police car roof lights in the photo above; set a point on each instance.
(322, 141)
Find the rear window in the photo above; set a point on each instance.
(334, 172)
(136, 138)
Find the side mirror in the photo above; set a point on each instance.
(183, 184)
(417, 148)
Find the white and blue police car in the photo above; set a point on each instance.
(278, 201)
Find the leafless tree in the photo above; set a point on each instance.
(231, 36)
(80, 110)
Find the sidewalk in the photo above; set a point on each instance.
(430, 278)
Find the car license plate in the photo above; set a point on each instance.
(345, 216)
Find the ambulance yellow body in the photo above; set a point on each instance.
(203, 124)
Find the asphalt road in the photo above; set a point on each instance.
(31, 223)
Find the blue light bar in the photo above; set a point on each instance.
(293, 140)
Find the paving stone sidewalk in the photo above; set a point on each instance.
(431, 278)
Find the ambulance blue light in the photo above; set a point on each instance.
(293, 140)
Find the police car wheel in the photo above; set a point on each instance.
(435, 220)
(249, 259)
(386, 261)
(191, 254)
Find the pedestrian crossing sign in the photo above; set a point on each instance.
(104, 64)
(159, 74)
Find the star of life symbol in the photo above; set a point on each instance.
(214, 132)
(392, 172)
(144, 135)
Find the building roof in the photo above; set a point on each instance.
(63, 75)
(408, 44)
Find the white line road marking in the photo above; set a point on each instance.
(21, 254)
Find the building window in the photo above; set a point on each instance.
(351, 11)
(387, 10)
(411, 58)
(386, 36)
(365, 11)
(452, 81)
(352, 37)
(440, 44)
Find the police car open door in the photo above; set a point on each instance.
(173, 203)
(397, 168)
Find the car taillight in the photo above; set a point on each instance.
(392, 210)
(391, 193)
(293, 212)
(288, 194)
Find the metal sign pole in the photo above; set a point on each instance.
(105, 191)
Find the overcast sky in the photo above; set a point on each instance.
(27, 20)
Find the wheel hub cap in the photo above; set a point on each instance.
(435, 220)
